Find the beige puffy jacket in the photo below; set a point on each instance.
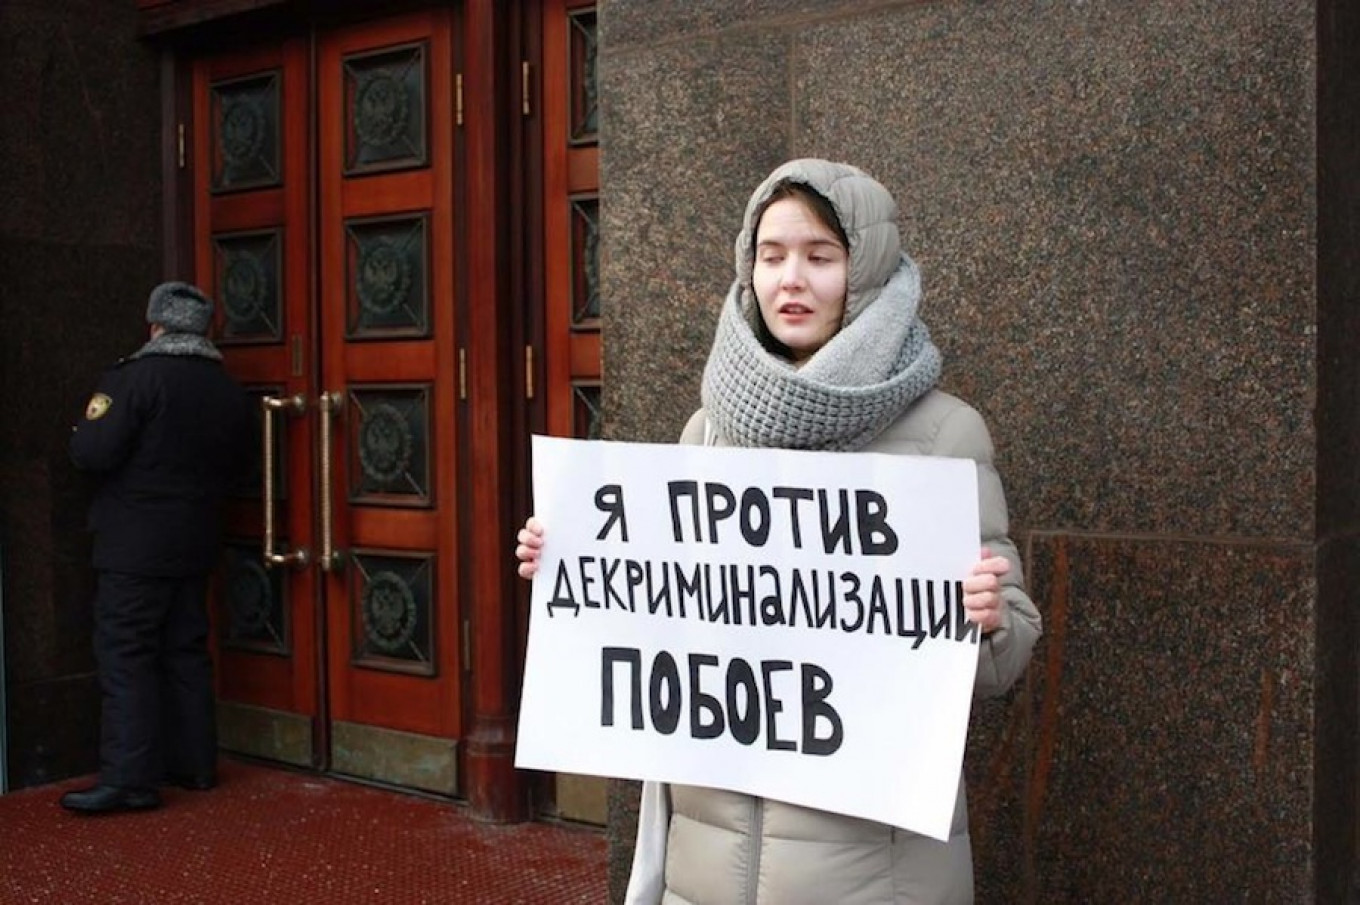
(728, 848)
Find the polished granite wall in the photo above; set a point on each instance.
(79, 249)
(1137, 227)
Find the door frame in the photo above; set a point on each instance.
(497, 301)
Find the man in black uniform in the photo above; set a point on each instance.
(169, 434)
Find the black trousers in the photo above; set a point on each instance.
(156, 677)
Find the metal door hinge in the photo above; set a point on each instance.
(526, 88)
(528, 372)
(467, 645)
(462, 375)
(458, 99)
(179, 144)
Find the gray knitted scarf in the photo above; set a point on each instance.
(844, 396)
(179, 344)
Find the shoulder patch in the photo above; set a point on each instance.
(97, 407)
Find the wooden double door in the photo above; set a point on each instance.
(350, 185)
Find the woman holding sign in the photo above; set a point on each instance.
(819, 346)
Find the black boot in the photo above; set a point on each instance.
(110, 800)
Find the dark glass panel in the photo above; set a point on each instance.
(245, 133)
(585, 260)
(388, 278)
(247, 286)
(584, 87)
(389, 446)
(586, 421)
(392, 614)
(255, 617)
(385, 104)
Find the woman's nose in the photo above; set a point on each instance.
(792, 274)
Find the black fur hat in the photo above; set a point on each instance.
(180, 308)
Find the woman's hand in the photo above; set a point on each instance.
(530, 547)
(982, 600)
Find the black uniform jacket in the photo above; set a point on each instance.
(169, 436)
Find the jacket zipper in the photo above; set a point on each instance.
(753, 864)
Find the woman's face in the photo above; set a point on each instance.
(799, 277)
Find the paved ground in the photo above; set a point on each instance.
(268, 835)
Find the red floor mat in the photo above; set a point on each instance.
(266, 835)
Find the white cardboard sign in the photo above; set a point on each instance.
(786, 624)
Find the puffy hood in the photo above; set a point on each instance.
(864, 377)
(866, 211)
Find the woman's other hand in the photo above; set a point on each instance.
(530, 547)
(982, 600)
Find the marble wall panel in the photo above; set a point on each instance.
(31, 632)
(630, 23)
(1161, 748)
(1117, 211)
(698, 127)
(80, 247)
(81, 144)
(1113, 205)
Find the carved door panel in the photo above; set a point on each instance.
(570, 267)
(389, 378)
(251, 169)
(324, 224)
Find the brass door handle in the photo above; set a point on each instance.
(330, 405)
(294, 405)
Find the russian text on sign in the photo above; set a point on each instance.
(737, 618)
